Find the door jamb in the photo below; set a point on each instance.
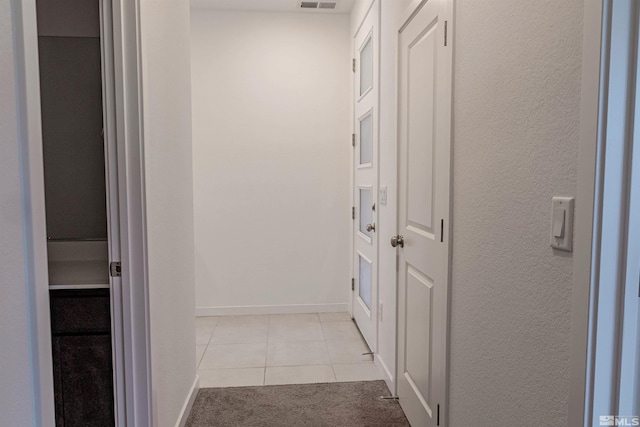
(579, 387)
(32, 171)
(132, 206)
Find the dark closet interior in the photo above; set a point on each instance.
(71, 90)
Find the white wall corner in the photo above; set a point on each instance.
(387, 376)
(188, 404)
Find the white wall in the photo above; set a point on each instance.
(165, 41)
(516, 116)
(271, 126)
(16, 393)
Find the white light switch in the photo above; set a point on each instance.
(383, 196)
(562, 223)
(559, 215)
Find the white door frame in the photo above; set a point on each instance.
(130, 184)
(135, 286)
(588, 228)
(584, 210)
(30, 125)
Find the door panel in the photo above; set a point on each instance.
(423, 213)
(365, 201)
(364, 282)
(365, 176)
(366, 141)
(366, 65)
(418, 340)
(420, 109)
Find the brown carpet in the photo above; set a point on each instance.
(336, 405)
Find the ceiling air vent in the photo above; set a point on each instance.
(318, 4)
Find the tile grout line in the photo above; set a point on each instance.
(326, 346)
(206, 346)
(264, 374)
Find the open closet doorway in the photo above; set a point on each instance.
(150, 231)
(83, 186)
(82, 210)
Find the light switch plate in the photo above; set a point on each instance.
(562, 223)
(383, 196)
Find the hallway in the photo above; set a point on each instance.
(236, 133)
(233, 351)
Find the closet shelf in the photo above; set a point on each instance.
(84, 274)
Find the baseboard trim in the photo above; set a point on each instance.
(386, 373)
(272, 309)
(188, 404)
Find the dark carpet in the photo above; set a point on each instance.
(335, 405)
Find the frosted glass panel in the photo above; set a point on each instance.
(366, 66)
(364, 281)
(366, 140)
(366, 214)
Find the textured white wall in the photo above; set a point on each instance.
(169, 203)
(16, 401)
(271, 160)
(516, 117)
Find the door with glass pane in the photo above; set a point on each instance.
(365, 241)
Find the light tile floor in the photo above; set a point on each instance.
(234, 351)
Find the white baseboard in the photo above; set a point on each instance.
(272, 309)
(188, 404)
(386, 374)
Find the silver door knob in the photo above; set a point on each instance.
(397, 241)
(371, 227)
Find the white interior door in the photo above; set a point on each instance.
(365, 241)
(423, 213)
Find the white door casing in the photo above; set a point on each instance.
(113, 209)
(365, 175)
(424, 131)
(132, 217)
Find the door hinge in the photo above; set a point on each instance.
(445, 33)
(353, 212)
(115, 269)
(353, 139)
(353, 284)
(353, 64)
(438, 417)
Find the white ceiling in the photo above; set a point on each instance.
(343, 6)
